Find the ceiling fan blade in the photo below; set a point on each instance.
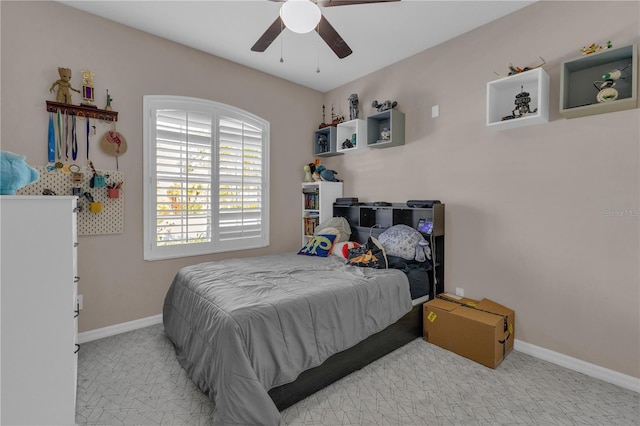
(333, 39)
(330, 3)
(267, 38)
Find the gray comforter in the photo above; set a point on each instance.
(244, 326)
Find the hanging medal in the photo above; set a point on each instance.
(74, 139)
(59, 163)
(74, 169)
(88, 126)
(51, 146)
(65, 167)
(66, 136)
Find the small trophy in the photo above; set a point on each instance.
(87, 89)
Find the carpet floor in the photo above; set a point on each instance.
(134, 379)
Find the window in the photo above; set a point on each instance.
(206, 178)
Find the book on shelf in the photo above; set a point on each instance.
(310, 224)
(311, 201)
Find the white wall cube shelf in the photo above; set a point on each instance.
(501, 95)
(579, 76)
(346, 130)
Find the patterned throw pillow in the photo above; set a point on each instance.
(405, 242)
(319, 245)
(370, 255)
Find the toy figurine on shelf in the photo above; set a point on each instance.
(353, 107)
(109, 99)
(323, 124)
(517, 70)
(522, 106)
(336, 119)
(606, 92)
(386, 105)
(324, 144)
(64, 85)
(593, 48)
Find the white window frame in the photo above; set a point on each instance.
(153, 251)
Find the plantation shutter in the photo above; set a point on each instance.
(240, 179)
(207, 180)
(183, 177)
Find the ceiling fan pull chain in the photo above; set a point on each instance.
(281, 41)
(318, 46)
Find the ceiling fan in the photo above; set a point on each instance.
(307, 10)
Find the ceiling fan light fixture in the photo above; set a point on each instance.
(300, 16)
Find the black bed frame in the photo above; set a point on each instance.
(346, 362)
(368, 219)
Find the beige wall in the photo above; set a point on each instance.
(526, 208)
(37, 37)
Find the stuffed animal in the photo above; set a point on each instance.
(307, 174)
(327, 174)
(15, 173)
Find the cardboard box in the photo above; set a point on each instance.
(479, 330)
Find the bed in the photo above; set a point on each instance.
(260, 334)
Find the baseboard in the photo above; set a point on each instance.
(112, 330)
(575, 364)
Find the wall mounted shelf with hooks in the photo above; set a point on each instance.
(82, 111)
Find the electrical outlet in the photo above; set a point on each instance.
(79, 301)
(435, 111)
(459, 291)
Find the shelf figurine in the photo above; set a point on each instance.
(593, 48)
(386, 105)
(606, 92)
(324, 144)
(522, 106)
(336, 119)
(353, 107)
(517, 70)
(109, 99)
(323, 124)
(64, 85)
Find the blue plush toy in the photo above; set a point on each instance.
(327, 174)
(15, 173)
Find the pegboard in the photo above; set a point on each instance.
(109, 221)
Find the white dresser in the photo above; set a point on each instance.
(38, 286)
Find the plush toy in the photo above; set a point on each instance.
(15, 173)
(307, 174)
(315, 176)
(327, 174)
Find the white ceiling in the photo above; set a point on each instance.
(379, 34)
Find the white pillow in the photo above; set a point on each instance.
(336, 226)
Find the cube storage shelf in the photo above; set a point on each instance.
(391, 119)
(363, 216)
(353, 131)
(327, 142)
(579, 77)
(329, 134)
(317, 205)
(501, 95)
